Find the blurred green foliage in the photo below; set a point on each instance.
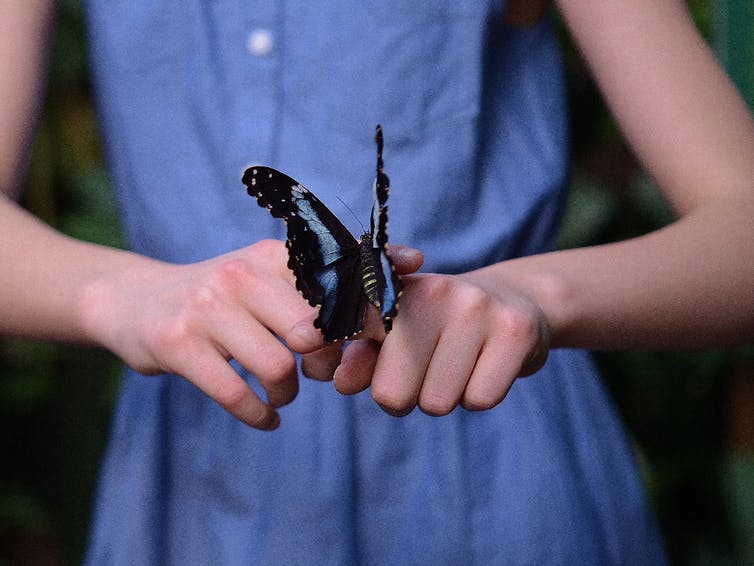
(55, 401)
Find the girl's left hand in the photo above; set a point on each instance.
(453, 342)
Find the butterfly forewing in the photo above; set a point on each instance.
(323, 254)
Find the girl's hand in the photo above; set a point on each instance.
(192, 319)
(456, 341)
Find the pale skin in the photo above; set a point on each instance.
(458, 339)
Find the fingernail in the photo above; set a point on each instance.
(403, 253)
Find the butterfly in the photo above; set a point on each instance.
(334, 271)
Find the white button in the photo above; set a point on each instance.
(260, 42)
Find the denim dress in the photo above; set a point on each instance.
(189, 94)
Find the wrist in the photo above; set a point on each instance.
(104, 298)
(550, 292)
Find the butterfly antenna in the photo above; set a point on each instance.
(349, 209)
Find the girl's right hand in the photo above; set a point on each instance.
(192, 319)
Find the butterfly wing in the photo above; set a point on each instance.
(342, 312)
(389, 287)
(322, 253)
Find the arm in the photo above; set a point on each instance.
(157, 317)
(689, 285)
(685, 286)
(24, 30)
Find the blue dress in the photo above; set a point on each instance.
(191, 93)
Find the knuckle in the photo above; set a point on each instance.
(472, 297)
(437, 288)
(520, 325)
(279, 369)
(236, 276)
(201, 299)
(465, 302)
(234, 272)
(233, 396)
(472, 304)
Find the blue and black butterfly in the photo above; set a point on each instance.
(333, 270)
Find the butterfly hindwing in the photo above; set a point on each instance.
(333, 270)
(342, 311)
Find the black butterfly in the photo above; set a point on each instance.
(333, 270)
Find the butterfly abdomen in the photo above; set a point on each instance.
(370, 276)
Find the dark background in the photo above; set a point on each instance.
(691, 414)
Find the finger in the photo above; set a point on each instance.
(405, 260)
(275, 302)
(356, 367)
(490, 380)
(449, 370)
(538, 356)
(400, 369)
(217, 379)
(517, 345)
(499, 364)
(261, 353)
(321, 364)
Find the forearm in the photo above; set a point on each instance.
(686, 286)
(47, 277)
(690, 284)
